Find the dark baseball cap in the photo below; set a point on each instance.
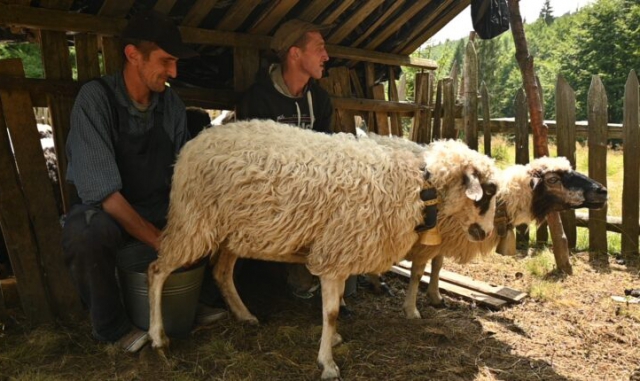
(156, 27)
(291, 31)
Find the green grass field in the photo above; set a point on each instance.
(503, 151)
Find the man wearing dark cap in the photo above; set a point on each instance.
(287, 92)
(126, 130)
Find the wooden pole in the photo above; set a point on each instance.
(631, 181)
(540, 146)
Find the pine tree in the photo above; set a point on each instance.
(546, 13)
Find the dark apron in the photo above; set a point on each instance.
(145, 163)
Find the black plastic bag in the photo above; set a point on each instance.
(490, 17)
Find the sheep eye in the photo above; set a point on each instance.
(553, 180)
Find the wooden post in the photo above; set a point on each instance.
(540, 141)
(597, 142)
(566, 140)
(87, 56)
(382, 120)
(486, 118)
(448, 105)
(369, 81)
(470, 115)
(522, 155)
(419, 130)
(437, 113)
(112, 54)
(394, 118)
(342, 88)
(631, 163)
(542, 233)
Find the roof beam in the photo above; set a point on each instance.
(396, 4)
(116, 8)
(198, 12)
(314, 10)
(386, 32)
(270, 18)
(164, 6)
(343, 30)
(343, 6)
(236, 15)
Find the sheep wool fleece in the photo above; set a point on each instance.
(259, 187)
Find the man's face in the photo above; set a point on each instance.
(313, 55)
(155, 70)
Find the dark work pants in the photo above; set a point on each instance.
(90, 240)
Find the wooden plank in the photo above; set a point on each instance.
(345, 121)
(382, 118)
(87, 56)
(56, 4)
(597, 143)
(245, 66)
(340, 9)
(355, 19)
(465, 293)
(55, 59)
(18, 236)
(542, 232)
(501, 292)
(237, 14)
(390, 11)
(198, 11)
(437, 113)
(355, 82)
(566, 140)
(112, 54)
(395, 25)
(486, 115)
(417, 29)
(116, 8)
(631, 163)
(440, 21)
(36, 185)
(394, 118)
(164, 6)
(419, 120)
(448, 107)
(470, 114)
(613, 224)
(314, 9)
(369, 82)
(268, 20)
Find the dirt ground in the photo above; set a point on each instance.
(578, 333)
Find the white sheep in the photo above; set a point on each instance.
(526, 194)
(263, 190)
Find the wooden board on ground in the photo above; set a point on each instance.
(473, 295)
(501, 292)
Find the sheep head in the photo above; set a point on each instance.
(466, 181)
(557, 187)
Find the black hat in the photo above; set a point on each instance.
(158, 28)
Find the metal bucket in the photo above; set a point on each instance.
(179, 294)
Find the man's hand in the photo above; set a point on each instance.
(120, 209)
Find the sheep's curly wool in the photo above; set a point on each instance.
(261, 188)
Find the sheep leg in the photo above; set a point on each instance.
(157, 274)
(332, 290)
(433, 290)
(410, 300)
(223, 274)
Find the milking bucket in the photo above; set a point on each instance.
(179, 294)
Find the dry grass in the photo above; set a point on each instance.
(577, 333)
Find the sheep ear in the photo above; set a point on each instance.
(474, 189)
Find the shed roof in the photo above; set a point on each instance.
(382, 29)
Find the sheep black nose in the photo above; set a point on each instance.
(476, 232)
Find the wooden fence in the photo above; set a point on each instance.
(446, 124)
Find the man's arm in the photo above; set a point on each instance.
(139, 228)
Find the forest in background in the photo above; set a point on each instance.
(602, 38)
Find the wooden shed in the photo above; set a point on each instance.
(368, 41)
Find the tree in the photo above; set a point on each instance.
(546, 13)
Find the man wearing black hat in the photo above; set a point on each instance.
(126, 130)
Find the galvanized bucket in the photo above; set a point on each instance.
(179, 294)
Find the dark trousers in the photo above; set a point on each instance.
(90, 240)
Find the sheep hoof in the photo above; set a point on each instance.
(442, 304)
(415, 314)
(250, 321)
(330, 372)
